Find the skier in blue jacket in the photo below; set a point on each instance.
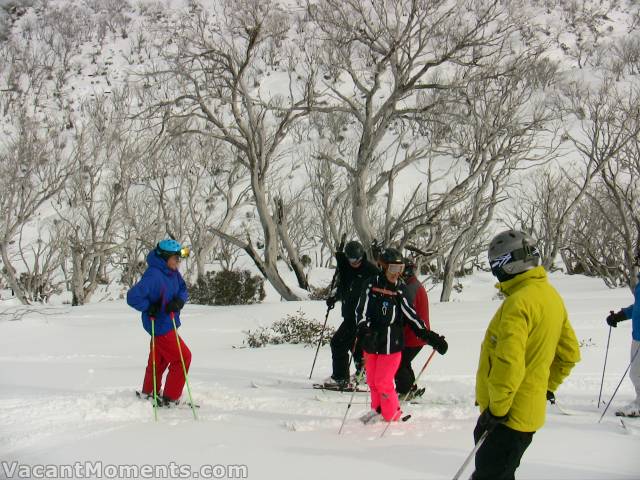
(631, 312)
(160, 294)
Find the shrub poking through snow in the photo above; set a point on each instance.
(294, 328)
(227, 287)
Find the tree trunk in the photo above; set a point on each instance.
(10, 275)
(450, 268)
(269, 267)
(77, 276)
(283, 231)
(360, 214)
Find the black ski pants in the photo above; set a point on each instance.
(341, 346)
(499, 456)
(405, 376)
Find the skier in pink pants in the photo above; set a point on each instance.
(382, 312)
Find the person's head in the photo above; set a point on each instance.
(511, 253)
(171, 252)
(409, 268)
(354, 253)
(392, 264)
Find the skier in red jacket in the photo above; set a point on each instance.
(418, 299)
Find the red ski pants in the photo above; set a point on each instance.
(167, 355)
(381, 370)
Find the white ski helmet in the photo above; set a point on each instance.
(512, 252)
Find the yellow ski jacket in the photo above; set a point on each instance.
(529, 348)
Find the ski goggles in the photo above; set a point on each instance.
(184, 252)
(395, 267)
(354, 260)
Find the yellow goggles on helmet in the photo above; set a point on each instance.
(185, 252)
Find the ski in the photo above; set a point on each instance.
(341, 400)
(621, 414)
(415, 396)
(359, 389)
(344, 400)
(629, 426)
(564, 411)
(374, 417)
(144, 396)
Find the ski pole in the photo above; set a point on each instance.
(605, 365)
(471, 454)
(184, 368)
(153, 362)
(353, 393)
(329, 308)
(355, 387)
(324, 326)
(424, 367)
(619, 383)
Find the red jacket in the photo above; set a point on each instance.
(420, 301)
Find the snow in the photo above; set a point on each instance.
(67, 381)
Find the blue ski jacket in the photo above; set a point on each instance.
(633, 312)
(158, 284)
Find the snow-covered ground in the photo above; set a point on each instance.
(67, 383)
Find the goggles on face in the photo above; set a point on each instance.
(354, 260)
(180, 254)
(395, 267)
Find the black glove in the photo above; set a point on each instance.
(174, 305)
(551, 398)
(331, 302)
(367, 338)
(154, 309)
(616, 317)
(438, 342)
(488, 421)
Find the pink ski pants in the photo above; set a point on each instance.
(381, 370)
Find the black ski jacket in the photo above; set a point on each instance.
(382, 312)
(350, 283)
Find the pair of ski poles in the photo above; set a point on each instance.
(184, 367)
(603, 372)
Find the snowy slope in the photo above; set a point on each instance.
(67, 382)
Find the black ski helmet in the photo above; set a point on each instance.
(512, 252)
(353, 250)
(391, 255)
(409, 268)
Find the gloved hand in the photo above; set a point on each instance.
(376, 249)
(551, 398)
(154, 309)
(488, 421)
(174, 305)
(331, 302)
(616, 317)
(367, 338)
(438, 342)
